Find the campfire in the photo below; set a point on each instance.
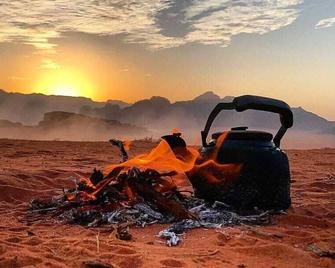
(157, 187)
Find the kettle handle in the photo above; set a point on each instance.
(248, 102)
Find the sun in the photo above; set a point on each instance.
(65, 91)
(65, 83)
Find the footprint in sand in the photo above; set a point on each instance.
(22, 261)
(33, 241)
(18, 229)
(14, 239)
(2, 249)
(125, 251)
(48, 173)
(222, 239)
(22, 176)
(172, 263)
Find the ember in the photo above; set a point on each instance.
(149, 189)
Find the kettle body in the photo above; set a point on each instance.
(264, 179)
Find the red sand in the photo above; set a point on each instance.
(29, 169)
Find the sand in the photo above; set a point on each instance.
(31, 169)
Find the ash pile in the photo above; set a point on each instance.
(133, 196)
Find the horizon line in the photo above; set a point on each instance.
(131, 103)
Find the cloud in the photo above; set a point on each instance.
(124, 70)
(217, 21)
(49, 64)
(39, 22)
(325, 23)
(20, 20)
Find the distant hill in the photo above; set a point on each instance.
(159, 113)
(9, 124)
(119, 103)
(30, 108)
(71, 126)
(160, 116)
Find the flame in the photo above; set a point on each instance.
(177, 167)
(162, 159)
(126, 144)
(87, 182)
(212, 172)
(156, 176)
(175, 131)
(183, 161)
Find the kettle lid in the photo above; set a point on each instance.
(243, 134)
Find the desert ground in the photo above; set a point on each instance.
(304, 237)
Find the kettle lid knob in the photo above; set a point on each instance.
(239, 128)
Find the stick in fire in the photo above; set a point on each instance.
(143, 196)
(120, 145)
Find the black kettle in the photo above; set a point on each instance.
(264, 180)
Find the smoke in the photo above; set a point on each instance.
(151, 118)
(97, 131)
(72, 127)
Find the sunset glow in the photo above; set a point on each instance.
(65, 91)
(65, 83)
(131, 50)
(120, 118)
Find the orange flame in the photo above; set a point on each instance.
(183, 161)
(175, 131)
(177, 167)
(162, 159)
(126, 144)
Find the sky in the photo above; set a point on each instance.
(131, 50)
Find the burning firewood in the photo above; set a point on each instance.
(165, 204)
(96, 176)
(142, 191)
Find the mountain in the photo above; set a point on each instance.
(160, 113)
(160, 116)
(208, 97)
(310, 121)
(70, 126)
(30, 108)
(9, 124)
(119, 103)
